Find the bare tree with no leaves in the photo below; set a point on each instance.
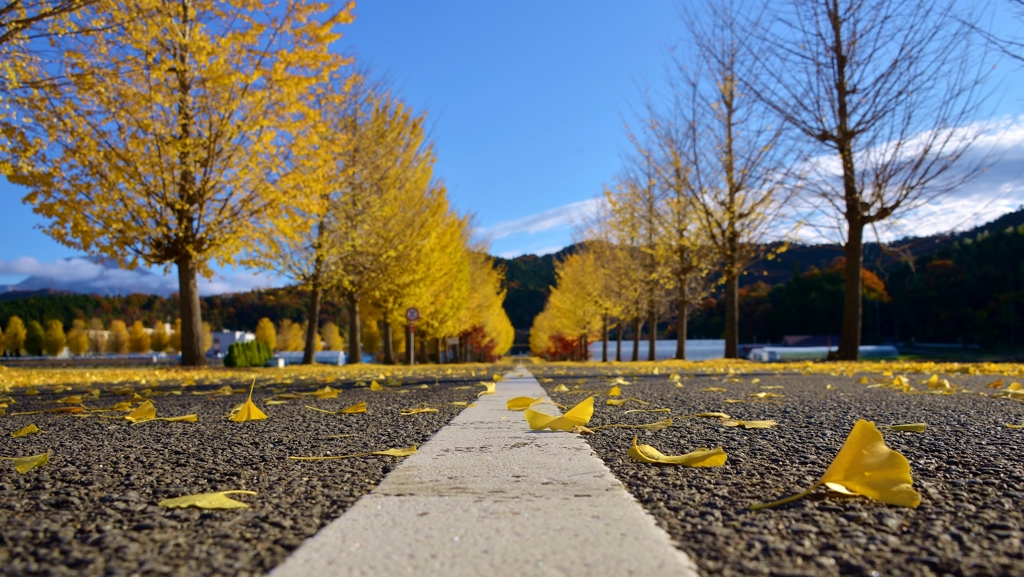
(885, 92)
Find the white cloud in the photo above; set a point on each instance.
(555, 218)
(999, 189)
(87, 275)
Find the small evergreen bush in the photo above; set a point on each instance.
(248, 354)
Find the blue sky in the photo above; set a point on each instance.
(526, 103)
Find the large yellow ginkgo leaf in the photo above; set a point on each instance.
(249, 411)
(865, 466)
(578, 415)
(218, 500)
(702, 457)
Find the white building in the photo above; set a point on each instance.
(224, 339)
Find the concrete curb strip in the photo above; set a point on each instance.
(487, 496)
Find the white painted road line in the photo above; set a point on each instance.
(487, 496)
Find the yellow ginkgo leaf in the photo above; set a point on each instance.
(25, 464)
(829, 387)
(359, 407)
(561, 389)
(407, 412)
(613, 392)
(219, 500)
(712, 415)
(72, 400)
(273, 402)
(909, 427)
(712, 390)
(143, 412)
(863, 381)
(578, 415)
(522, 403)
(702, 457)
(1015, 386)
(31, 391)
(386, 453)
(25, 431)
(750, 424)
(326, 393)
(755, 381)
(619, 381)
(225, 390)
(497, 378)
(993, 385)
(488, 391)
(375, 387)
(1012, 426)
(249, 411)
(733, 401)
(865, 466)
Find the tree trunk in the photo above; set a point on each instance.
(604, 339)
(849, 339)
(618, 341)
(355, 352)
(652, 335)
(389, 342)
(681, 329)
(637, 325)
(732, 317)
(312, 326)
(192, 353)
(424, 357)
(410, 346)
(585, 351)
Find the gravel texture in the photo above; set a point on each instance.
(968, 467)
(93, 509)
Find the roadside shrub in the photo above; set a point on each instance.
(248, 354)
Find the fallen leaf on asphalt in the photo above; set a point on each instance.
(546, 380)
(613, 392)
(620, 381)
(578, 415)
(702, 457)
(31, 391)
(407, 412)
(143, 412)
(765, 395)
(219, 500)
(711, 415)
(865, 466)
(273, 402)
(996, 384)
(750, 424)
(863, 381)
(829, 387)
(386, 453)
(522, 403)
(1015, 386)
(497, 378)
(647, 411)
(375, 387)
(620, 402)
(488, 391)
(657, 426)
(909, 428)
(712, 390)
(733, 401)
(72, 400)
(25, 464)
(561, 389)
(248, 411)
(1012, 426)
(359, 407)
(755, 381)
(225, 390)
(25, 431)
(326, 393)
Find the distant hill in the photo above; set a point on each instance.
(528, 282)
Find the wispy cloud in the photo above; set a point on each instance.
(556, 218)
(86, 275)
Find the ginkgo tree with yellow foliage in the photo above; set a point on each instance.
(164, 144)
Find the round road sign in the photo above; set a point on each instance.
(412, 314)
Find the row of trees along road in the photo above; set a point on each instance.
(198, 132)
(837, 115)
